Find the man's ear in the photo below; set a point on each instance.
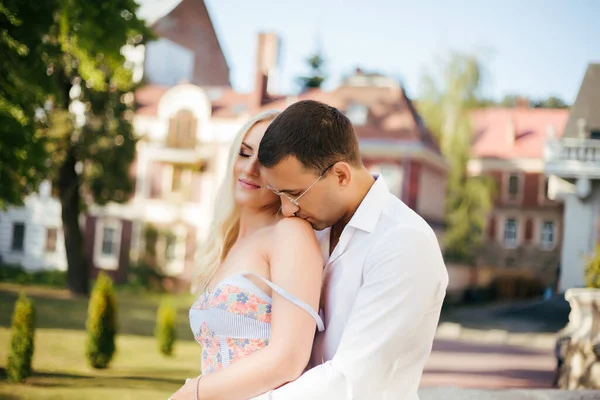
(343, 173)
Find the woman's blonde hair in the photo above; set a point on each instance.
(225, 225)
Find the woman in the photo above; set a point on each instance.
(260, 279)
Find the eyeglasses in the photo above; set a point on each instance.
(294, 201)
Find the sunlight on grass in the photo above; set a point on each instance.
(138, 370)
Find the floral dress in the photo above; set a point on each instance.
(235, 320)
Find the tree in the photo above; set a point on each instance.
(18, 367)
(550, 102)
(514, 101)
(165, 330)
(23, 89)
(101, 323)
(88, 109)
(445, 108)
(316, 77)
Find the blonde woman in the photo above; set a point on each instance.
(259, 283)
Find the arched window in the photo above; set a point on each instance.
(182, 130)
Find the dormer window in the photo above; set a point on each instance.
(357, 113)
(182, 130)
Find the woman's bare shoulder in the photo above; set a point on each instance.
(293, 226)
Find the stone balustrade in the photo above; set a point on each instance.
(578, 344)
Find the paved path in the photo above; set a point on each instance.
(514, 394)
(471, 364)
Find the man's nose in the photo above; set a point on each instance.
(288, 209)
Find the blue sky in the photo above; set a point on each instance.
(531, 47)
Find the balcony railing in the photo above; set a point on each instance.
(572, 158)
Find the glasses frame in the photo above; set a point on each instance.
(295, 200)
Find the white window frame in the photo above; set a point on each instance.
(46, 240)
(103, 261)
(517, 232)
(385, 169)
(540, 228)
(506, 183)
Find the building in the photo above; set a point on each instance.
(393, 140)
(524, 230)
(31, 236)
(186, 117)
(573, 164)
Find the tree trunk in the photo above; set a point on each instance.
(78, 271)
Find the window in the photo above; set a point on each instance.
(176, 179)
(392, 174)
(170, 247)
(109, 241)
(182, 130)
(510, 233)
(595, 134)
(51, 235)
(547, 235)
(357, 113)
(513, 186)
(18, 237)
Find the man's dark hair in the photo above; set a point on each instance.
(317, 134)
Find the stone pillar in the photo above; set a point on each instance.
(578, 344)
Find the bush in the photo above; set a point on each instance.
(21, 346)
(592, 270)
(144, 275)
(16, 274)
(101, 323)
(165, 327)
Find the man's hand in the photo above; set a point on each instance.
(187, 391)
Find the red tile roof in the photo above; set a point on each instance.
(147, 99)
(392, 115)
(492, 127)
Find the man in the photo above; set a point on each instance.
(384, 277)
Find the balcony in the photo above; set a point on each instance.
(572, 158)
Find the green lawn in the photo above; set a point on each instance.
(138, 371)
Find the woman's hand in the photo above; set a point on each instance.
(188, 391)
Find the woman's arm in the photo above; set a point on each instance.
(296, 265)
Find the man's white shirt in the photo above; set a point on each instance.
(383, 288)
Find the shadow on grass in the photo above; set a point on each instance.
(136, 312)
(59, 380)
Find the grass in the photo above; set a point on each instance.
(138, 370)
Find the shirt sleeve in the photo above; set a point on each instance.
(404, 281)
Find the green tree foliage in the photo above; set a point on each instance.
(449, 95)
(317, 76)
(165, 331)
(513, 101)
(101, 323)
(68, 107)
(20, 356)
(24, 87)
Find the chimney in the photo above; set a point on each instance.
(267, 56)
(511, 132)
(521, 102)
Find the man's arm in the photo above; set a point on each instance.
(404, 280)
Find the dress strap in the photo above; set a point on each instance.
(290, 297)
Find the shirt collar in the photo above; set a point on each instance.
(368, 212)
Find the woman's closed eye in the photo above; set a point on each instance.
(242, 154)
